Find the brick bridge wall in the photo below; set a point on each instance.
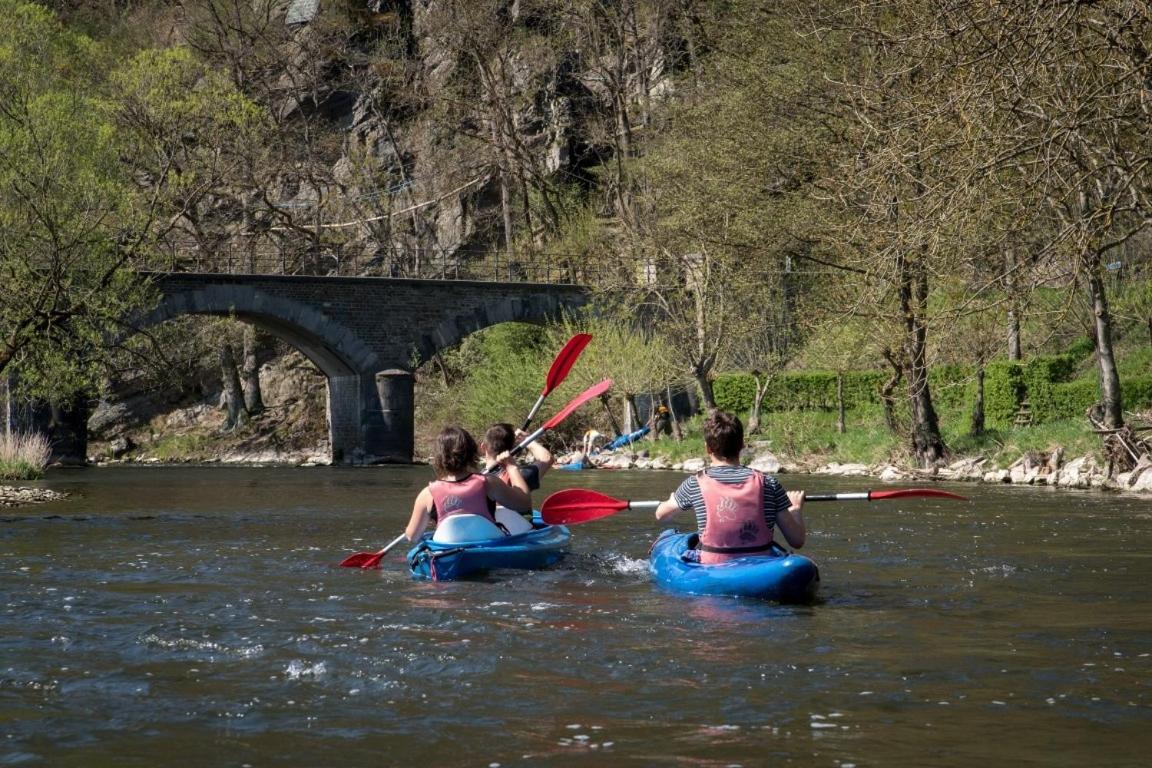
(366, 335)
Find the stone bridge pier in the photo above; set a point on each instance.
(366, 335)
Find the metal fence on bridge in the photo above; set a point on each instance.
(334, 261)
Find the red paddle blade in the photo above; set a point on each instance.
(594, 391)
(578, 505)
(362, 560)
(565, 360)
(900, 493)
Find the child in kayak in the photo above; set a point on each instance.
(736, 508)
(502, 438)
(458, 490)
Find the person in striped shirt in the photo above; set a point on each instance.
(737, 508)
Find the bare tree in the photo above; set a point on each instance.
(1066, 108)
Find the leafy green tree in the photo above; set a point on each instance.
(188, 137)
(906, 209)
(503, 367)
(72, 220)
(638, 360)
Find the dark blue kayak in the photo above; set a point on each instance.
(538, 548)
(780, 575)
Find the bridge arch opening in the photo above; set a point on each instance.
(348, 365)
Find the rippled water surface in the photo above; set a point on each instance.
(194, 616)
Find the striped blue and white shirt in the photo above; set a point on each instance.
(688, 495)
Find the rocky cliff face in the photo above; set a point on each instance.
(463, 124)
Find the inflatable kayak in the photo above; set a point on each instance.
(458, 554)
(781, 575)
(628, 439)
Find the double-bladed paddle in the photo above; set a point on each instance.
(372, 559)
(563, 363)
(580, 505)
(884, 494)
(593, 391)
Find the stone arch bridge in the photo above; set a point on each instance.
(365, 334)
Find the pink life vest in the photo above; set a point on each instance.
(735, 524)
(461, 497)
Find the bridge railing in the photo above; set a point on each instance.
(335, 261)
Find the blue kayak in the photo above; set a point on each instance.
(631, 437)
(779, 575)
(538, 548)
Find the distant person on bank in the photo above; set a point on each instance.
(737, 508)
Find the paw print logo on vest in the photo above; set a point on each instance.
(749, 531)
(727, 510)
(452, 501)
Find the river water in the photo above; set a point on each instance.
(195, 617)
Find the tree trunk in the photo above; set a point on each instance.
(706, 393)
(505, 170)
(7, 379)
(840, 427)
(1014, 352)
(1105, 354)
(506, 214)
(631, 414)
(757, 403)
(677, 433)
(927, 443)
(232, 398)
(977, 426)
(253, 397)
(443, 369)
(611, 416)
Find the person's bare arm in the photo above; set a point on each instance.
(791, 523)
(668, 508)
(540, 455)
(513, 498)
(421, 513)
(515, 476)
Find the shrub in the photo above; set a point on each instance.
(23, 455)
(797, 390)
(1070, 400)
(1003, 392)
(1137, 392)
(734, 392)
(1046, 383)
(952, 386)
(1041, 375)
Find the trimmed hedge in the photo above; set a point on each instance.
(734, 392)
(1041, 377)
(952, 386)
(1045, 383)
(1070, 400)
(1003, 392)
(800, 390)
